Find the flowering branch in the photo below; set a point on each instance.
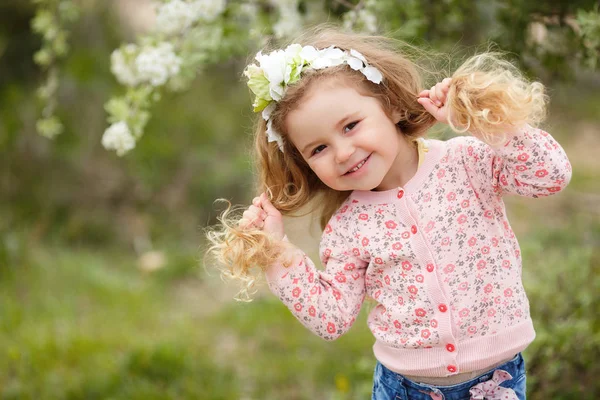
(49, 22)
(589, 32)
(184, 35)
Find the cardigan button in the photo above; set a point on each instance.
(429, 267)
(400, 193)
(451, 368)
(442, 308)
(413, 229)
(450, 347)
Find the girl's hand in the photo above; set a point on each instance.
(264, 216)
(434, 99)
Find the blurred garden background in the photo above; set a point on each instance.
(103, 293)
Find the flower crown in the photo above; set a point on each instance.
(281, 68)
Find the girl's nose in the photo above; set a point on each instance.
(344, 152)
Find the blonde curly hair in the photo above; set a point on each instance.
(487, 93)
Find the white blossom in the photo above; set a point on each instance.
(249, 10)
(122, 65)
(210, 37)
(157, 64)
(208, 10)
(174, 17)
(289, 23)
(118, 137)
(363, 20)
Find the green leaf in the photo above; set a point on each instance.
(118, 109)
(42, 22)
(260, 104)
(49, 127)
(43, 57)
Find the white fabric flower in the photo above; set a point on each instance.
(292, 52)
(309, 54)
(266, 113)
(118, 137)
(372, 74)
(157, 64)
(355, 63)
(122, 65)
(174, 17)
(276, 70)
(358, 55)
(329, 57)
(208, 10)
(273, 135)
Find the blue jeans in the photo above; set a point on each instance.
(388, 385)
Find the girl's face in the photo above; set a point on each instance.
(349, 141)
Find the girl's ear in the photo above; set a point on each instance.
(397, 116)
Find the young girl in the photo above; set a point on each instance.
(416, 224)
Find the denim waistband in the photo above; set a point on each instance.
(514, 367)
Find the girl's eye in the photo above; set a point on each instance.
(350, 126)
(318, 149)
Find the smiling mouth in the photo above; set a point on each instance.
(359, 166)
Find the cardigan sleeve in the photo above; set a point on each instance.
(530, 164)
(325, 301)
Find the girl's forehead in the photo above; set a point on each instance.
(331, 96)
(325, 104)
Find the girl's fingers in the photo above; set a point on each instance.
(429, 106)
(258, 212)
(253, 216)
(444, 88)
(439, 91)
(433, 95)
(267, 206)
(253, 211)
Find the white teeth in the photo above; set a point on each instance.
(358, 166)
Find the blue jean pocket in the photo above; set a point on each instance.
(386, 385)
(518, 384)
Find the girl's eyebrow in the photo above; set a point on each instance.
(347, 118)
(309, 145)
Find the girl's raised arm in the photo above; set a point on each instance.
(530, 164)
(326, 302)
